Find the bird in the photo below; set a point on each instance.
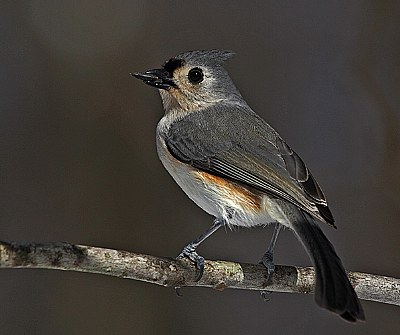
(236, 167)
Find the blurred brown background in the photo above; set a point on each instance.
(78, 160)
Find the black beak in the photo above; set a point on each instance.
(158, 78)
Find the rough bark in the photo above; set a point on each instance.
(173, 273)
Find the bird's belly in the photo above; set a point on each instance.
(237, 204)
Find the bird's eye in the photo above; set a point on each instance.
(195, 75)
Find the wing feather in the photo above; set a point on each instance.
(250, 152)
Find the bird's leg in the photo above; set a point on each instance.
(268, 258)
(189, 251)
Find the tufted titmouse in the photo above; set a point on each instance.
(236, 167)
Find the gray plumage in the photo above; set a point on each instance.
(236, 167)
(263, 160)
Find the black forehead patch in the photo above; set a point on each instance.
(171, 65)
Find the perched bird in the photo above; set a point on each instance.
(236, 167)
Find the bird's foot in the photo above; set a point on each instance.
(264, 295)
(178, 291)
(189, 251)
(267, 261)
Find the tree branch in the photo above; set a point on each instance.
(172, 273)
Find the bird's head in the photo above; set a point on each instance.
(193, 80)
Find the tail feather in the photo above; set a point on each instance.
(333, 290)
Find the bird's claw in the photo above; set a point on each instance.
(190, 252)
(264, 295)
(178, 291)
(267, 261)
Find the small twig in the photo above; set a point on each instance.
(172, 273)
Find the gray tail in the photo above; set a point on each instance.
(333, 290)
